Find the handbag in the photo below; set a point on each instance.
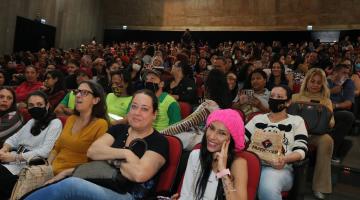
(267, 145)
(106, 173)
(31, 177)
(316, 116)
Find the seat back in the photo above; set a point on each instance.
(167, 176)
(185, 109)
(254, 171)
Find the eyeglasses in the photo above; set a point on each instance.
(82, 93)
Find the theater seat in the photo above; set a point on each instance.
(167, 176)
(185, 109)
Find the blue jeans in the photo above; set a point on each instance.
(76, 188)
(273, 182)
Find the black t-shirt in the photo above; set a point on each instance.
(155, 142)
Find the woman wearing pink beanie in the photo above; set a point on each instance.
(214, 171)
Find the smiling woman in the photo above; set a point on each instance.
(142, 172)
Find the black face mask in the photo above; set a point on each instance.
(38, 113)
(277, 105)
(152, 86)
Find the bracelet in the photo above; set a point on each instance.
(17, 158)
(223, 173)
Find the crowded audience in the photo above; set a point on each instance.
(87, 86)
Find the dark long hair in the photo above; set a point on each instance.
(40, 125)
(59, 85)
(217, 88)
(99, 110)
(206, 159)
(283, 80)
(13, 105)
(126, 76)
(247, 83)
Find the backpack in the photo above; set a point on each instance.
(316, 116)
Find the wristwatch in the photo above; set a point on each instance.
(223, 173)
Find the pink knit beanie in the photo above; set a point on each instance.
(233, 122)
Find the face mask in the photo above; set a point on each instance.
(152, 86)
(136, 67)
(357, 67)
(117, 90)
(277, 105)
(38, 113)
(210, 67)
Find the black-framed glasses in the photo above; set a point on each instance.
(82, 93)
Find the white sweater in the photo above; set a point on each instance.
(295, 133)
(39, 145)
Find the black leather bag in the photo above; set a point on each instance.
(107, 173)
(316, 116)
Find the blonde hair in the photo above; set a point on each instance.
(325, 91)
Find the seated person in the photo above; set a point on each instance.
(54, 87)
(67, 104)
(214, 171)
(315, 88)
(119, 100)
(31, 84)
(70, 79)
(278, 76)
(277, 175)
(10, 119)
(169, 110)
(142, 172)
(217, 96)
(182, 87)
(342, 97)
(81, 129)
(257, 99)
(35, 139)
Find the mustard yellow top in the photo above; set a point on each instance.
(71, 147)
(317, 97)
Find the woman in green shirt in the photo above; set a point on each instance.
(119, 100)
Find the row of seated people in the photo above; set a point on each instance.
(88, 95)
(155, 82)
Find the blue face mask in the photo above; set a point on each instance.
(357, 67)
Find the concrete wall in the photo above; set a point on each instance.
(232, 14)
(76, 21)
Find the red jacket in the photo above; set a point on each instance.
(25, 88)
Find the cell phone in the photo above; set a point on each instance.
(249, 93)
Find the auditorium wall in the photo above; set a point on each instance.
(76, 21)
(237, 15)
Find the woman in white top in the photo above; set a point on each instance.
(214, 171)
(35, 139)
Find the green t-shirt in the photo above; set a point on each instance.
(118, 105)
(69, 100)
(168, 112)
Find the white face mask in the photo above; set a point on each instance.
(136, 67)
(210, 67)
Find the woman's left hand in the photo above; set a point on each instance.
(7, 157)
(60, 176)
(222, 156)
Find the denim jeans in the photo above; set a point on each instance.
(76, 188)
(273, 182)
